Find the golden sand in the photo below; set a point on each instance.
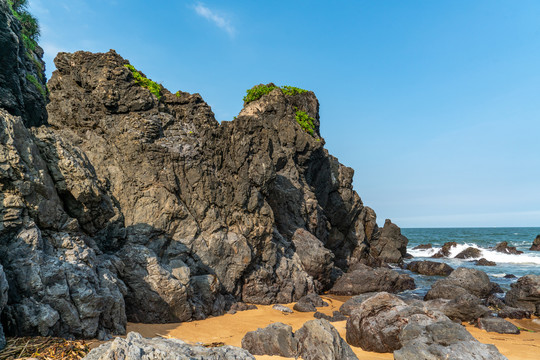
(230, 329)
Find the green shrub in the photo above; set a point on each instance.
(36, 83)
(256, 92)
(305, 121)
(178, 94)
(140, 80)
(30, 26)
(291, 90)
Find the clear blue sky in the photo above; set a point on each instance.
(435, 104)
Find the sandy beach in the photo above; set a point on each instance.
(230, 329)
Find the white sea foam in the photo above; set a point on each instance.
(488, 254)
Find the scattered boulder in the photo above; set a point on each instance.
(508, 312)
(484, 262)
(318, 339)
(460, 281)
(135, 347)
(282, 308)
(430, 268)
(498, 325)
(309, 303)
(365, 279)
(303, 306)
(275, 339)
(536, 244)
(240, 306)
(350, 305)
(503, 247)
(336, 316)
(390, 245)
(423, 247)
(525, 294)
(442, 340)
(469, 253)
(445, 250)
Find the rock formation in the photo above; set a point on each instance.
(536, 244)
(127, 204)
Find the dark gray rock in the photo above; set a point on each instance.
(484, 262)
(461, 281)
(498, 325)
(318, 339)
(503, 247)
(275, 339)
(430, 268)
(442, 340)
(390, 245)
(336, 316)
(422, 247)
(350, 305)
(309, 303)
(536, 244)
(4, 287)
(465, 307)
(377, 323)
(445, 250)
(365, 279)
(525, 294)
(469, 253)
(135, 347)
(508, 312)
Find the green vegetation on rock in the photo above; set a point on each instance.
(140, 80)
(36, 83)
(305, 121)
(258, 91)
(30, 26)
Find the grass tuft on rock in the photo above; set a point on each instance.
(306, 122)
(258, 91)
(36, 83)
(30, 25)
(141, 80)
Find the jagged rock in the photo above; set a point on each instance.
(275, 339)
(536, 244)
(135, 347)
(318, 339)
(377, 323)
(461, 281)
(309, 303)
(431, 268)
(22, 72)
(365, 279)
(498, 325)
(442, 340)
(423, 247)
(445, 250)
(503, 247)
(508, 312)
(350, 305)
(465, 307)
(484, 262)
(390, 245)
(469, 253)
(4, 287)
(282, 308)
(525, 294)
(336, 316)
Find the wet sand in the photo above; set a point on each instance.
(230, 329)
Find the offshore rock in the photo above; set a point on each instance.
(445, 250)
(135, 347)
(503, 247)
(469, 253)
(536, 244)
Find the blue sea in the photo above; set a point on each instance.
(482, 238)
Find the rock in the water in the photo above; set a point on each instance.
(135, 347)
(510, 276)
(336, 316)
(445, 250)
(484, 262)
(350, 305)
(525, 294)
(427, 267)
(460, 281)
(423, 247)
(469, 253)
(503, 247)
(377, 323)
(390, 245)
(318, 339)
(365, 279)
(536, 244)
(282, 308)
(442, 340)
(275, 339)
(498, 325)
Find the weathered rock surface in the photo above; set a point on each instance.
(318, 339)
(503, 247)
(350, 305)
(508, 312)
(20, 67)
(365, 279)
(462, 281)
(442, 340)
(498, 325)
(525, 294)
(465, 307)
(309, 303)
(389, 244)
(336, 316)
(430, 268)
(4, 287)
(135, 347)
(275, 339)
(423, 247)
(536, 244)
(469, 253)
(484, 262)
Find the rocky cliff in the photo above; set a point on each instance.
(133, 203)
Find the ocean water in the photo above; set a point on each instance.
(484, 239)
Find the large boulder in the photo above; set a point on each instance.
(365, 279)
(460, 281)
(469, 253)
(135, 347)
(430, 268)
(275, 339)
(352, 304)
(465, 307)
(442, 340)
(498, 325)
(390, 245)
(318, 339)
(377, 323)
(525, 294)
